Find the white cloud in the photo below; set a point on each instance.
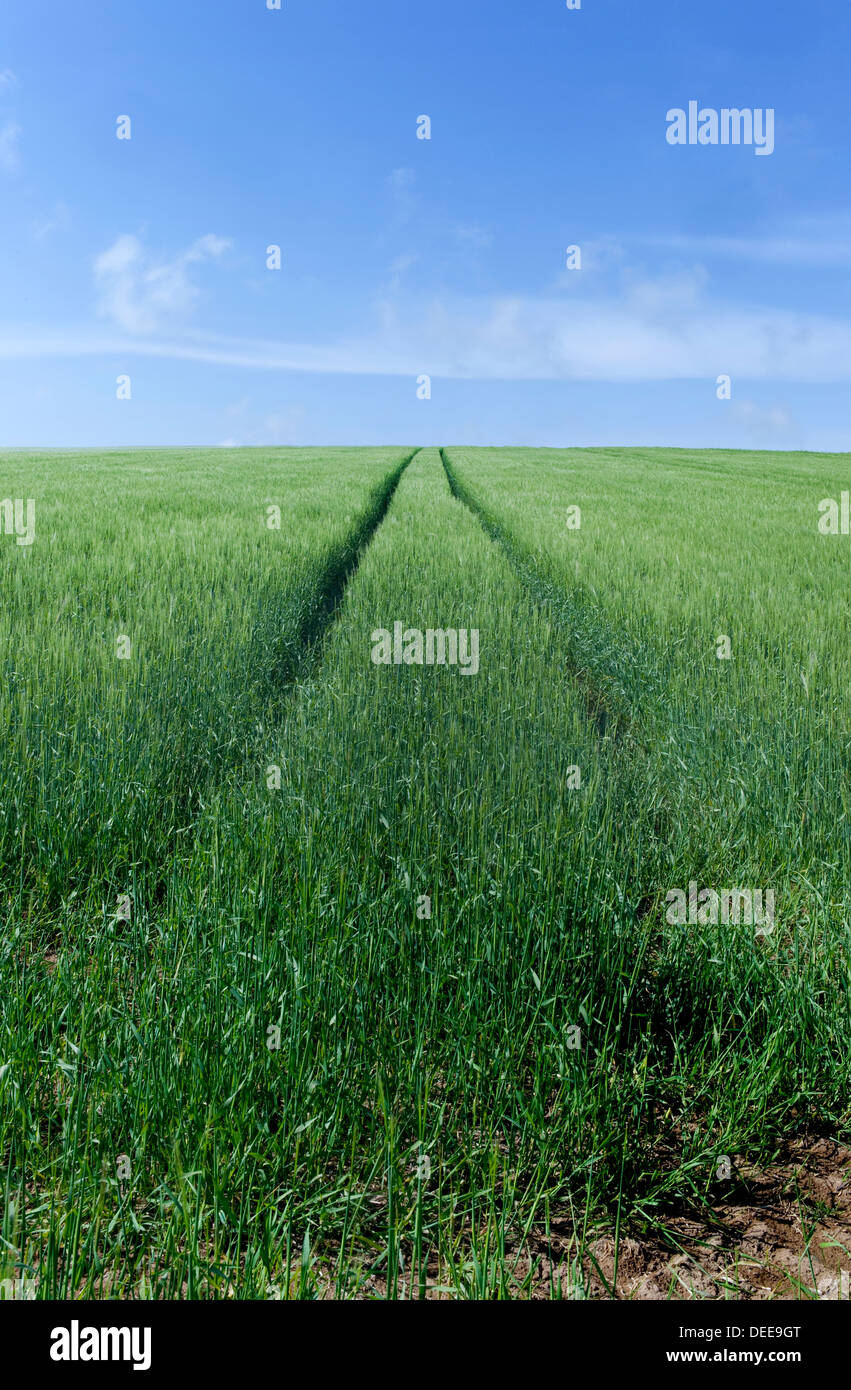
(811, 241)
(10, 156)
(479, 237)
(764, 421)
(57, 217)
(398, 269)
(656, 329)
(7, 79)
(280, 427)
(405, 200)
(142, 295)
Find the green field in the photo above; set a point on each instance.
(327, 977)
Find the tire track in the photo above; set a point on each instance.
(321, 601)
(610, 716)
(341, 565)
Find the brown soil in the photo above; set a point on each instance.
(780, 1232)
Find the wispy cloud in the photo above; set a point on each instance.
(769, 250)
(479, 237)
(405, 201)
(398, 269)
(761, 422)
(278, 427)
(809, 239)
(7, 79)
(143, 295)
(57, 218)
(656, 329)
(10, 155)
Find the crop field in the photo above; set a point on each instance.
(426, 874)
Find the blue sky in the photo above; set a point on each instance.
(405, 257)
